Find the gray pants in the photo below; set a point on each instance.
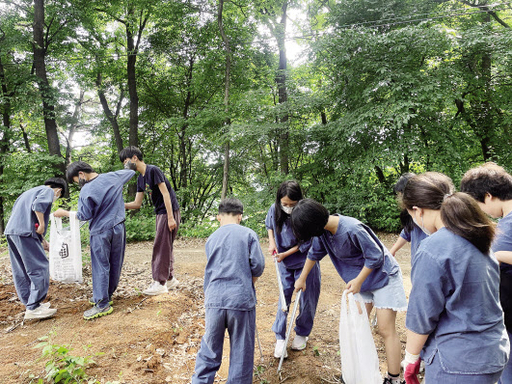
(162, 262)
(30, 269)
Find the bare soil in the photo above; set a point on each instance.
(155, 339)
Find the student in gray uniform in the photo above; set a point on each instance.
(234, 263)
(167, 213)
(362, 261)
(25, 234)
(491, 186)
(101, 203)
(454, 318)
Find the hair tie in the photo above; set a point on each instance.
(447, 196)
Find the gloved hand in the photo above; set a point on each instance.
(411, 366)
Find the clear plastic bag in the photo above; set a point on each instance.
(359, 360)
(65, 250)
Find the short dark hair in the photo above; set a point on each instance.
(78, 166)
(129, 152)
(57, 182)
(400, 184)
(488, 178)
(231, 206)
(309, 218)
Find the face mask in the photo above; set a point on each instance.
(55, 197)
(287, 210)
(130, 165)
(82, 182)
(425, 230)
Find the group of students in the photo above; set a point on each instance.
(101, 204)
(461, 270)
(460, 306)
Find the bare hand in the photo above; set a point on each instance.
(60, 213)
(300, 284)
(46, 246)
(171, 223)
(272, 249)
(354, 286)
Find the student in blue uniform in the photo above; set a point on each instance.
(25, 233)
(167, 213)
(410, 233)
(491, 186)
(234, 263)
(291, 257)
(362, 261)
(454, 319)
(101, 203)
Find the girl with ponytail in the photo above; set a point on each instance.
(454, 318)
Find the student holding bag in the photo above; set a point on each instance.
(454, 319)
(362, 261)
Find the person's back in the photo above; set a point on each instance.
(234, 262)
(101, 200)
(455, 292)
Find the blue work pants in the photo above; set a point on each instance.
(107, 256)
(30, 269)
(241, 326)
(308, 301)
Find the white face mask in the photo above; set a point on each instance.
(427, 232)
(287, 210)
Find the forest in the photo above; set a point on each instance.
(231, 97)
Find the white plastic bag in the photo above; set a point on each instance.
(359, 360)
(65, 250)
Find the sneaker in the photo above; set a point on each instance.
(39, 313)
(92, 302)
(45, 305)
(278, 351)
(299, 342)
(98, 312)
(172, 283)
(156, 289)
(388, 380)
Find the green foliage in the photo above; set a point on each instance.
(140, 226)
(61, 366)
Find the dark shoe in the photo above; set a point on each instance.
(387, 380)
(95, 312)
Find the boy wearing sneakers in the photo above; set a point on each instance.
(25, 232)
(101, 203)
(234, 263)
(167, 218)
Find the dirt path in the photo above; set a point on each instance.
(155, 339)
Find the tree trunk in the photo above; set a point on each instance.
(133, 138)
(109, 115)
(5, 139)
(44, 86)
(227, 122)
(284, 136)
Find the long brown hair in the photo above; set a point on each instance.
(460, 213)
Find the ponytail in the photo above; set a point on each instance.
(460, 213)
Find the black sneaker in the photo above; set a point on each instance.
(95, 312)
(387, 380)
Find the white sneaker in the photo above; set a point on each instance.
(172, 283)
(278, 351)
(299, 343)
(156, 289)
(45, 305)
(39, 313)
